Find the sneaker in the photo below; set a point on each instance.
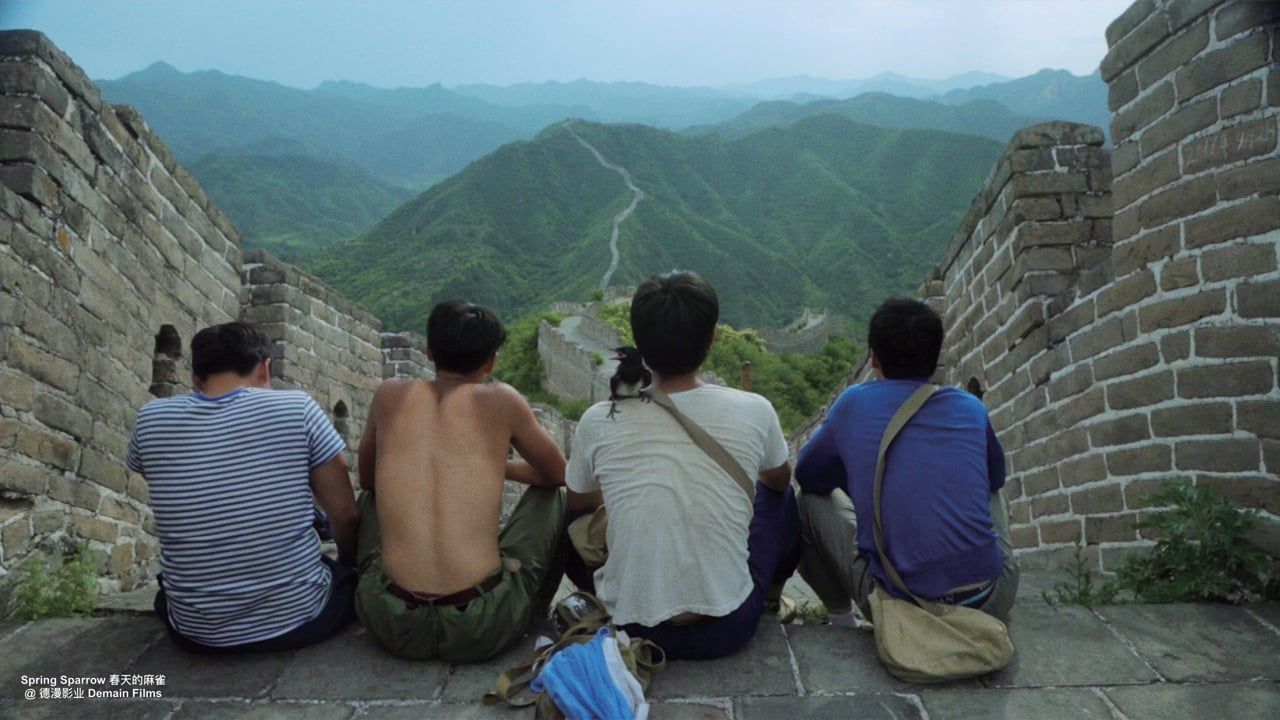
(783, 607)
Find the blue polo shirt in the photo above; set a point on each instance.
(939, 476)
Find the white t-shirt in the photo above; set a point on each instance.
(678, 522)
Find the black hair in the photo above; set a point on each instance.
(235, 347)
(462, 336)
(673, 319)
(906, 336)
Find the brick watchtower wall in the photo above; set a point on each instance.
(111, 257)
(324, 343)
(1195, 87)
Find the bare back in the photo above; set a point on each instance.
(440, 461)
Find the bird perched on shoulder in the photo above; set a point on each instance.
(629, 378)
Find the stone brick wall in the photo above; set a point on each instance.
(1191, 392)
(571, 371)
(324, 343)
(807, 336)
(110, 258)
(404, 356)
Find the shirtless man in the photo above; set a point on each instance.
(437, 578)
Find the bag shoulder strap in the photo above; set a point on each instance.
(896, 423)
(703, 440)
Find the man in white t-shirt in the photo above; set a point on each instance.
(692, 559)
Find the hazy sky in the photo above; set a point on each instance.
(676, 42)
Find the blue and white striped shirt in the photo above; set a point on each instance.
(229, 479)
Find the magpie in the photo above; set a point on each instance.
(629, 378)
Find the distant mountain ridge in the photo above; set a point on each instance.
(824, 212)
(979, 117)
(1053, 94)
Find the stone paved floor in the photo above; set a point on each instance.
(1137, 662)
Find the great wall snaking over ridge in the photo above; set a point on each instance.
(1118, 310)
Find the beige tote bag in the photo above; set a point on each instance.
(918, 640)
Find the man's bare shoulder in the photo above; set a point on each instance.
(502, 393)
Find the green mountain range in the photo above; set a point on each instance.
(823, 212)
(1055, 94)
(979, 117)
(294, 205)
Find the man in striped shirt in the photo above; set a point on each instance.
(234, 472)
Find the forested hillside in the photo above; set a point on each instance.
(294, 205)
(824, 212)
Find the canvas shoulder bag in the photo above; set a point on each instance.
(918, 640)
(588, 532)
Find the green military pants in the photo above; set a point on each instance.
(488, 624)
(838, 573)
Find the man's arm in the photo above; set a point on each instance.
(995, 460)
(819, 469)
(778, 478)
(542, 462)
(367, 453)
(331, 484)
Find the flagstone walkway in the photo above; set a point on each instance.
(1139, 662)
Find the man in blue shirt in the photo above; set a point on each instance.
(946, 528)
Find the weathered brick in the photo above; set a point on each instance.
(75, 491)
(1133, 16)
(1060, 531)
(1126, 291)
(1222, 66)
(1155, 173)
(1229, 145)
(15, 538)
(1119, 431)
(1176, 346)
(94, 528)
(1218, 455)
(119, 510)
(1097, 338)
(1110, 528)
(1041, 481)
(1178, 201)
(1182, 12)
(47, 448)
(1182, 311)
(1138, 493)
(25, 77)
(23, 479)
(1238, 341)
(1193, 419)
(1238, 261)
(1072, 382)
(1258, 299)
(62, 415)
(1260, 417)
(1249, 491)
(1048, 505)
(1129, 47)
(1142, 112)
(42, 366)
(1082, 470)
(1138, 460)
(1180, 273)
(1226, 380)
(1025, 536)
(1240, 98)
(1249, 218)
(1261, 177)
(102, 469)
(1234, 18)
(1131, 254)
(1081, 407)
(1163, 61)
(1271, 456)
(1092, 501)
(17, 390)
(1122, 89)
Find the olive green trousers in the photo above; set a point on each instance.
(491, 622)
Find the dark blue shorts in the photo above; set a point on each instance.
(773, 552)
(336, 613)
